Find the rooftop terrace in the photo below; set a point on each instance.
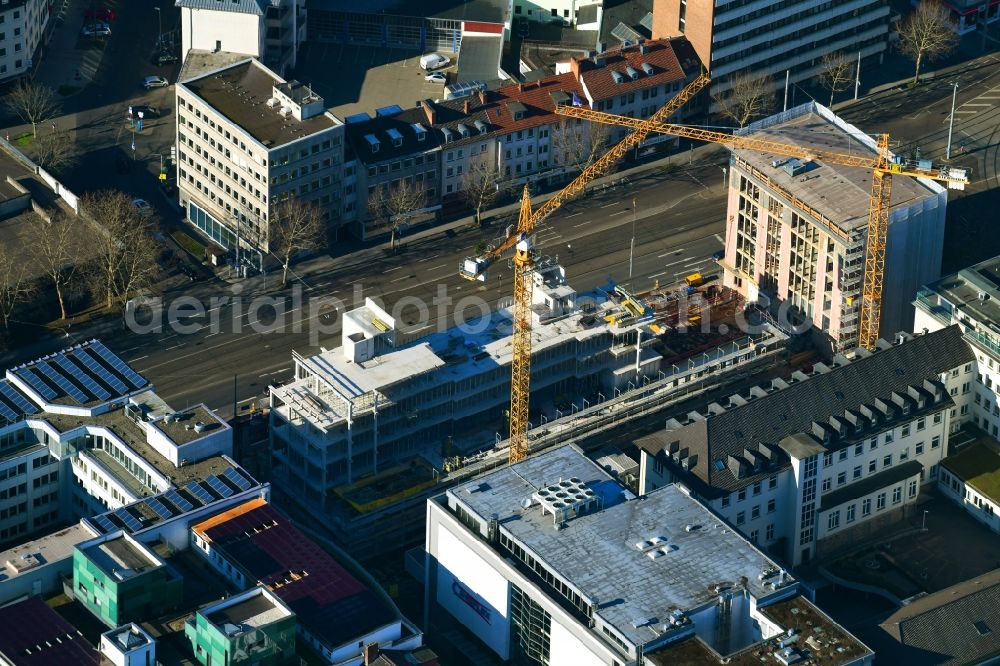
(121, 557)
(250, 610)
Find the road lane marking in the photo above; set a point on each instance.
(428, 258)
(656, 275)
(613, 203)
(621, 212)
(400, 279)
(434, 268)
(582, 224)
(139, 358)
(575, 214)
(719, 238)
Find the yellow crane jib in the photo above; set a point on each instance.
(883, 166)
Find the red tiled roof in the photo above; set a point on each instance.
(659, 54)
(672, 60)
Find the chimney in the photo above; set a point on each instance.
(482, 97)
(520, 87)
(466, 107)
(574, 66)
(429, 111)
(370, 653)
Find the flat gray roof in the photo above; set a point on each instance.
(240, 93)
(962, 291)
(605, 554)
(840, 193)
(51, 548)
(119, 554)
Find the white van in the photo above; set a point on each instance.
(434, 61)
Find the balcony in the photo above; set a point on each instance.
(986, 341)
(930, 302)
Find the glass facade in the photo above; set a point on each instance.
(211, 227)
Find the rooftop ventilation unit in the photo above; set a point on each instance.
(272, 102)
(284, 112)
(566, 498)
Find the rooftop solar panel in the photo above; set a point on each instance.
(178, 501)
(626, 34)
(199, 492)
(118, 365)
(232, 474)
(131, 522)
(78, 374)
(35, 382)
(65, 385)
(15, 398)
(104, 523)
(7, 413)
(91, 364)
(216, 484)
(159, 508)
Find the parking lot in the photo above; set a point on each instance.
(358, 79)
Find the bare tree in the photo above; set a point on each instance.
(836, 73)
(296, 227)
(481, 185)
(15, 284)
(927, 33)
(54, 150)
(749, 96)
(125, 261)
(393, 204)
(33, 103)
(577, 144)
(54, 251)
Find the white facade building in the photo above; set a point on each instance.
(247, 141)
(269, 30)
(22, 31)
(972, 479)
(807, 465)
(554, 561)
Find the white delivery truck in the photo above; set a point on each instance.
(433, 61)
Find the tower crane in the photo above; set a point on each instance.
(520, 239)
(883, 167)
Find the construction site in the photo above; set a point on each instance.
(365, 433)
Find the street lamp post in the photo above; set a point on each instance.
(724, 181)
(923, 521)
(159, 27)
(951, 119)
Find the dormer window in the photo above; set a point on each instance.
(373, 142)
(396, 137)
(464, 130)
(419, 131)
(449, 136)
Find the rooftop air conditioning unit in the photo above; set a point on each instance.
(272, 102)
(284, 112)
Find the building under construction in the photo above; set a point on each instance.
(373, 423)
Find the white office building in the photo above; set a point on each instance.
(806, 465)
(22, 33)
(268, 30)
(552, 561)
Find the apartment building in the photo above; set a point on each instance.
(85, 436)
(22, 36)
(774, 36)
(804, 465)
(552, 561)
(971, 478)
(383, 152)
(247, 141)
(971, 300)
(516, 131)
(968, 15)
(796, 230)
(268, 30)
(560, 12)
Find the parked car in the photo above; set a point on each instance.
(154, 82)
(434, 61)
(143, 207)
(96, 30)
(436, 77)
(146, 111)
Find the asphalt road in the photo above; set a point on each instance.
(678, 225)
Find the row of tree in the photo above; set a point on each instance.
(927, 34)
(107, 251)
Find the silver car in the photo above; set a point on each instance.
(154, 82)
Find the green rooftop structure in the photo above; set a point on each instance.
(253, 627)
(121, 580)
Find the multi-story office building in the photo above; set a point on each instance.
(796, 230)
(84, 436)
(269, 30)
(22, 36)
(552, 561)
(804, 466)
(970, 299)
(773, 37)
(252, 627)
(247, 141)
